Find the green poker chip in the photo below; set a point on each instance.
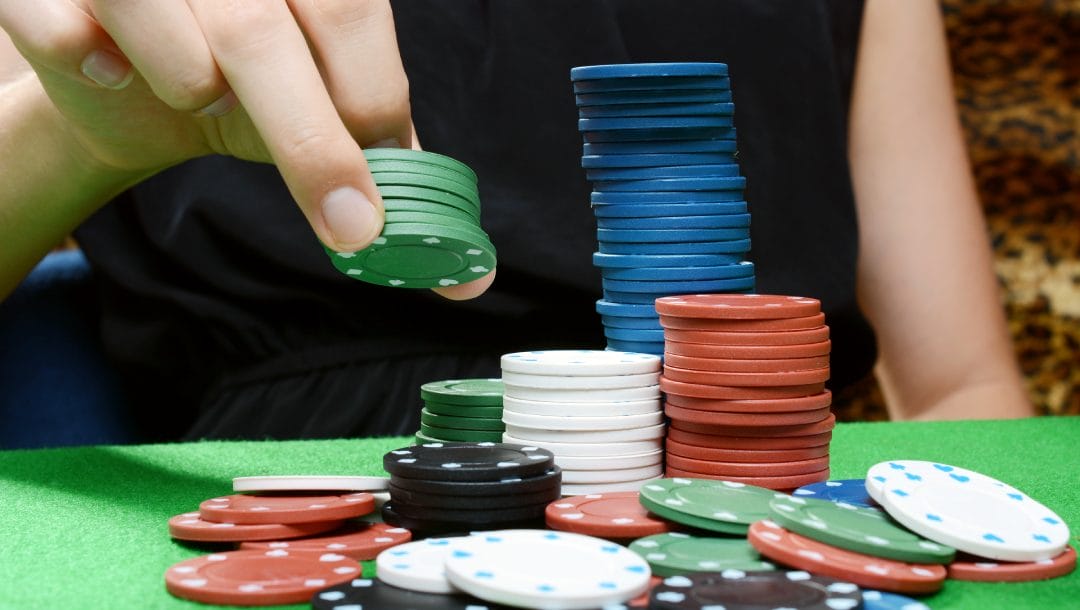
(675, 554)
(424, 169)
(864, 530)
(395, 206)
(422, 193)
(461, 436)
(414, 255)
(465, 411)
(461, 423)
(719, 506)
(419, 156)
(434, 219)
(426, 181)
(471, 392)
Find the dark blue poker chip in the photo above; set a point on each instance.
(371, 593)
(656, 160)
(641, 347)
(631, 334)
(848, 491)
(636, 197)
(659, 147)
(739, 247)
(656, 110)
(678, 286)
(655, 96)
(651, 83)
(659, 185)
(659, 133)
(659, 122)
(658, 274)
(625, 310)
(650, 69)
(630, 261)
(716, 221)
(631, 323)
(882, 600)
(667, 210)
(601, 175)
(638, 236)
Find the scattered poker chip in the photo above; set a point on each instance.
(744, 455)
(743, 590)
(620, 475)
(723, 418)
(656, 274)
(578, 571)
(419, 156)
(418, 566)
(588, 363)
(803, 553)
(658, 147)
(848, 491)
(461, 423)
(193, 528)
(586, 436)
(978, 569)
(863, 530)
(881, 600)
(737, 246)
(700, 390)
(512, 499)
(584, 395)
(631, 70)
(662, 96)
(656, 160)
(746, 365)
(602, 177)
(582, 382)
(633, 261)
(582, 409)
(592, 449)
(748, 469)
(603, 488)
(309, 483)
(361, 593)
(467, 461)
(612, 422)
(782, 482)
(972, 512)
(612, 462)
(615, 515)
(510, 484)
(278, 509)
(713, 108)
(746, 442)
(763, 352)
(429, 434)
(671, 554)
(691, 197)
(359, 540)
(258, 578)
(720, 506)
(747, 306)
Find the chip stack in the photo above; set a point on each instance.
(599, 412)
(667, 191)
(744, 379)
(462, 487)
(432, 237)
(461, 410)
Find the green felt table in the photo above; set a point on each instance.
(85, 528)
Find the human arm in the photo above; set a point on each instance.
(925, 269)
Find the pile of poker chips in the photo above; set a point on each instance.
(597, 411)
(744, 383)
(461, 410)
(432, 236)
(667, 191)
(462, 487)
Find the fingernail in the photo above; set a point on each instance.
(387, 143)
(221, 106)
(107, 69)
(351, 218)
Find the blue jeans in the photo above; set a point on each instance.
(56, 389)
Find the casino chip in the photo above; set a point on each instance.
(418, 566)
(480, 392)
(741, 590)
(309, 483)
(616, 515)
(258, 578)
(848, 491)
(967, 567)
(192, 527)
(361, 593)
(274, 509)
(880, 600)
(468, 461)
(671, 554)
(356, 539)
(580, 363)
(720, 506)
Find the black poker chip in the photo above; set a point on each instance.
(478, 517)
(401, 496)
(508, 485)
(468, 461)
(371, 593)
(738, 590)
(433, 526)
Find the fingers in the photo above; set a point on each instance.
(469, 290)
(60, 36)
(264, 56)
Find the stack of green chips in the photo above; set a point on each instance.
(461, 410)
(432, 236)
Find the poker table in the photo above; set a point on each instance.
(86, 527)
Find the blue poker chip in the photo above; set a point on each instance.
(744, 269)
(656, 110)
(635, 197)
(658, 122)
(641, 347)
(716, 221)
(659, 147)
(725, 170)
(637, 236)
(651, 83)
(655, 96)
(738, 247)
(655, 185)
(881, 600)
(659, 133)
(630, 261)
(678, 286)
(631, 323)
(624, 310)
(632, 334)
(662, 210)
(656, 160)
(849, 491)
(634, 298)
(637, 70)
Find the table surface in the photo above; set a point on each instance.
(86, 527)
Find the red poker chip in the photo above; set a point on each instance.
(748, 469)
(787, 378)
(743, 325)
(746, 442)
(701, 390)
(782, 405)
(825, 425)
(800, 552)
(356, 539)
(745, 365)
(253, 509)
(615, 515)
(721, 418)
(779, 483)
(777, 337)
(987, 570)
(258, 578)
(191, 527)
(757, 456)
(755, 352)
(738, 306)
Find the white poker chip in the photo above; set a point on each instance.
(585, 436)
(622, 475)
(582, 409)
(591, 450)
(310, 483)
(546, 569)
(603, 488)
(613, 422)
(418, 566)
(591, 382)
(580, 363)
(969, 511)
(651, 392)
(610, 462)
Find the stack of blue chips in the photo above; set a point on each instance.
(667, 191)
